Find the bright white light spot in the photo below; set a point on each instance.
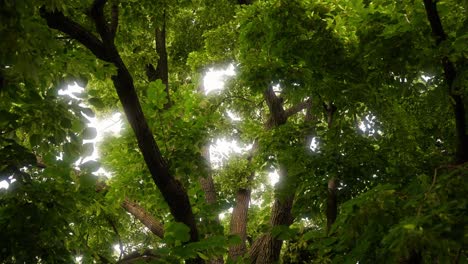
(78, 259)
(214, 79)
(233, 116)
(223, 148)
(111, 125)
(75, 88)
(4, 185)
(362, 126)
(274, 177)
(313, 144)
(104, 126)
(367, 125)
(277, 89)
(223, 214)
(116, 248)
(426, 78)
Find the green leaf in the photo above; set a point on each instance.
(34, 140)
(90, 166)
(87, 149)
(203, 256)
(66, 123)
(157, 93)
(89, 133)
(96, 102)
(175, 231)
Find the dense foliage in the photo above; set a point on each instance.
(359, 106)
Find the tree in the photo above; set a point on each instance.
(377, 87)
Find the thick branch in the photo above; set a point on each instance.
(140, 257)
(332, 204)
(62, 23)
(450, 75)
(114, 20)
(275, 105)
(171, 189)
(330, 110)
(97, 14)
(162, 69)
(144, 217)
(297, 108)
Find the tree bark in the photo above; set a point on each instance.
(161, 71)
(450, 74)
(239, 216)
(267, 249)
(206, 182)
(105, 49)
(144, 217)
(332, 205)
(239, 223)
(208, 188)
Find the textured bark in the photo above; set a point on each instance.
(208, 188)
(144, 217)
(332, 206)
(450, 74)
(172, 190)
(239, 216)
(267, 249)
(239, 223)
(206, 182)
(332, 203)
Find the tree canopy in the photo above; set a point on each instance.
(359, 107)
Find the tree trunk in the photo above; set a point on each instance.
(267, 248)
(332, 205)
(208, 188)
(206, 182)
(239, 216)
(239, 223)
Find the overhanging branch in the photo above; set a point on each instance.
(144, 217)
(62, 23)
(171, 189)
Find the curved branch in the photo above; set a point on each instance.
(172, 190)
(62, 23)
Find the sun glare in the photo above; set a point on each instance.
(214, 79)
